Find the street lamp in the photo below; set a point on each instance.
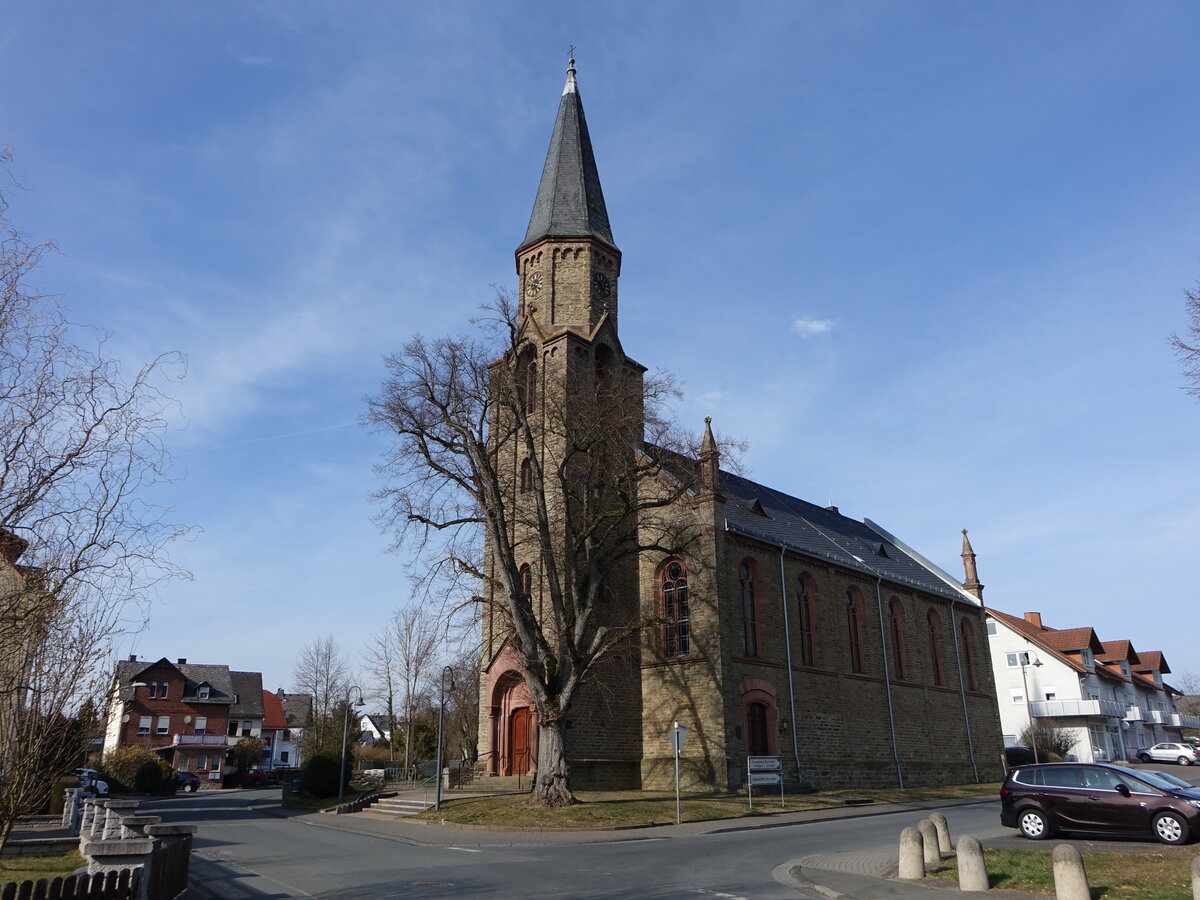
(346, 738)
(437, 801)
(1036, 663)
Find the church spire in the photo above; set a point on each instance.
(972, 574)
(569, 200)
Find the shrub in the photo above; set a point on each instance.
(149, 777)
(121, 765)
(321, 774)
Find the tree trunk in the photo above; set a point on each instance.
(551, 787)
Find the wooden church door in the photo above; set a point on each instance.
(518, 743)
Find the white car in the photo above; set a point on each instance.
(1184, 754)
(91, 783)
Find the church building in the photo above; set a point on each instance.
(786, 630)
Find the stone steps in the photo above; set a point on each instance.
(399, 806)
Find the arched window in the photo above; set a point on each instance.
(934, 623)
(676, 637)
(526, 581)
(854, 631)
(531, 385)
(808, 654)
(749, 613)
(896, 626)
(968, 653)
(526, 476)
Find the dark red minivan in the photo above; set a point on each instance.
(1091, 797)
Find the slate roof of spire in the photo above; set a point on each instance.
(569, 200)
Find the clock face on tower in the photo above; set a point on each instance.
(600, 285)
(534, 284)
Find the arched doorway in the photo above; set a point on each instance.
(758, 741)
(513, 727)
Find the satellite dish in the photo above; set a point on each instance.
(125, 718)
(187, 720)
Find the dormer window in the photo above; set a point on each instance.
(1085, 656)
(202, 692)
(1125, 668)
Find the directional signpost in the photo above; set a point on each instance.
(763, 770)
(678, 736)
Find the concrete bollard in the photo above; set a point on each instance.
(943, 833)
(972, 873)
(929, 845)
(1070, 879)
(1196, 878)
(912, 854)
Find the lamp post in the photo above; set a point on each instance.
(346, 738)
(1028, 705)
(437, 801)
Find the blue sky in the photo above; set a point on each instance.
(923, 256)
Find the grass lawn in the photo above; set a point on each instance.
(31, 868)
(307, 801)
(1160, 874)
(607, 809)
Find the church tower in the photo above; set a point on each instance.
(583, 400)
(568, 263)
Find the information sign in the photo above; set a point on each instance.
(757, 778)
(764, 764)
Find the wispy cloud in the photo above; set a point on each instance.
(807, 327)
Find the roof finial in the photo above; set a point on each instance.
(570, 86)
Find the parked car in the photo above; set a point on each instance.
(188, 781)
(1184, 754)
(259, 778)
(1093, 797)
(91, 782)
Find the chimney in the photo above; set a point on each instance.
(133, 657)
(1034, 618)
(182, 661)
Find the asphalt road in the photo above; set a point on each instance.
(243, 853)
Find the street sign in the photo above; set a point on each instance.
(678, 735)
(764, 764)
(757, 778)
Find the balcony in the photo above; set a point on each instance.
(199, 740)
(1134, 713)
(1154, 717)
(1183, 720)
(1063, 709)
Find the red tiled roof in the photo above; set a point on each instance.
(1115, 651)
(1068, 639)
(1151, 660)
(273, 717)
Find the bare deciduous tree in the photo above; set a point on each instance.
(399, 658)
(323, 672)
(81, 544)
(1188, 350)
(1189, 684)
(482, 476)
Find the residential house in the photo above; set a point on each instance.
(286, 718)
(372, 728)
(186, 713)
(1109, 697)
